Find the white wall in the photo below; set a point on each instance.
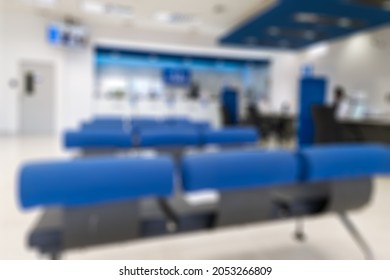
(284, 79)
(358, 63)
(25, 40)
(2, 66)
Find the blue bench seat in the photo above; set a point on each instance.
(108, 139)
(239, 170)
(345, 161)
(168, 137)
(84, 182)
(230, 136)
(252, 186)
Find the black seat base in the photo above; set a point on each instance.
(59, 230)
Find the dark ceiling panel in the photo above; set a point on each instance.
(381, 4)
(295, 24)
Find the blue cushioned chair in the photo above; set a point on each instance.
(98, 140)
(230, 136)
(138, 123)
(243, 180)
(202, 125)
(239, 170)
(100, 127)
(113, 121)
(90, 181)
(177, 121)
(344, 161)
(168, 137)
(344, 172)
(259, 186)
(105, 200)
(96, 201)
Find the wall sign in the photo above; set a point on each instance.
(177, 77)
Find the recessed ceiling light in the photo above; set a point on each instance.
(251, 40)
(324, 19)
(274, 31)
(284, 43)
(345, 22)
(219, 9)
(307, 17)
(119, 10)
(284, 32)
(386, 5)
(172, 17)
(309, 35)
(380, 4)
(318, 50)
(46, 2)
(42, 3)
(93, 7)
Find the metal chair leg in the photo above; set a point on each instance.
(299, 232)
(54, 256)
(356, 235)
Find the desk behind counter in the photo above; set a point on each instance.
(364, 130)
(367, 130)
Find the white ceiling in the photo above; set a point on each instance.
(144, 11)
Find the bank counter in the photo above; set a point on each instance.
(366, 130)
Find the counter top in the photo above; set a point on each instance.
(367, 121)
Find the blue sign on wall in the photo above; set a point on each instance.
(177, 77)
(54, 34)
(308, 71)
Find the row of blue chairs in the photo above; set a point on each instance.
(106, 134)
(114, 123)
(94, 201)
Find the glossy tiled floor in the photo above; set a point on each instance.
(327, 239)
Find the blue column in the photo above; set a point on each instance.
(312, 92)
(231, 103)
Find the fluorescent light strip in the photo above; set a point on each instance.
(42, 3)
(318, 50)
(95, 7)
(119, 10)
(322, 19)
(172, 17)
(275, 31)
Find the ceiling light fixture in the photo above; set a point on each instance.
(307, 17)
(284, 43)
(93, 7)
(379, 4)
(386, 5)
(119, 10)
(42, 3)
(329, 20)
(318, 50)
(274, 31)
(219, 9)
(344, 23)
(251, 40)
(172, 17)
(309, 35)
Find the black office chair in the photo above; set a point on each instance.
(254, 118)
(226, 119)
(284, 129)
(327, 129)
